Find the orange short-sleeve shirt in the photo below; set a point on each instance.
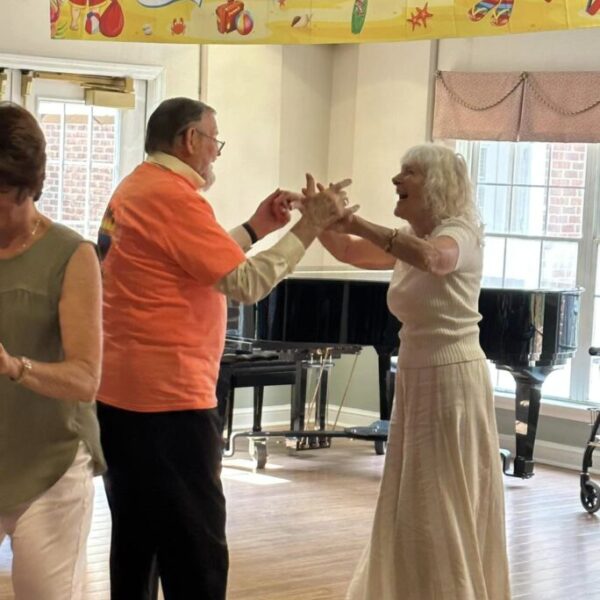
(164, 323)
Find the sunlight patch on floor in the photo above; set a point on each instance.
(248, 464)
(251, 477)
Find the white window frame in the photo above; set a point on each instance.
(148, 96)
(587, 260)
(154, 76)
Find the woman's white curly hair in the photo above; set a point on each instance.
(448, 189)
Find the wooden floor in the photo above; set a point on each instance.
(296, 529)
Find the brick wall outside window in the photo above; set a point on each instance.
(81, 168)
(565, 206)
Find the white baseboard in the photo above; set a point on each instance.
(277, 418)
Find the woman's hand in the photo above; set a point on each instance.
(325, 206)
(344, 225)
(8, 364)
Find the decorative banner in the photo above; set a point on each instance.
(310, 21)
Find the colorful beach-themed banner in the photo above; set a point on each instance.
(310, 21)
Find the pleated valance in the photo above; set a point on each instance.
(549, 107)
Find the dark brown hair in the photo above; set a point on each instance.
(169, 120)
(22, 150)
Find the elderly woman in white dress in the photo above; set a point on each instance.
(438, 531)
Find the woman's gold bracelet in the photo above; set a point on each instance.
(26, 368)
(392, 236)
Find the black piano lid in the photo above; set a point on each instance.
(518, 326)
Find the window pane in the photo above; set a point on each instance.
(493, 203)
(565, 212)
(82, 144)
(49, 202)
(76, 133)
(493, 262)
(568, 163)
(104, 123)
(51, 124)
(596, 328)
(101, 186)
(594, 393)
(74, 195)
(557, 384)
(502, 380)
(505, 381)
(495, 162)
(531, 163)
(559, 265)
(528, 214)
(522, 263)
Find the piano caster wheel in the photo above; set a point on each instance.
(379, 447)
(590, 497)
(258, 451)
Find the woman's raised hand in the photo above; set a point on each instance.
(324, 206)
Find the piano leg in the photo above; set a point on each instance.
(321, 411)
(528, 395)
(298, 398)
(258, 407)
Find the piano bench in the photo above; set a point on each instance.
(250, 373)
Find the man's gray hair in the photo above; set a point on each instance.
(170, 119)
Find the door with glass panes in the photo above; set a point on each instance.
(89, 148)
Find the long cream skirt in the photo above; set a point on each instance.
(438, 531)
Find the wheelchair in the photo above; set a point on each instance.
(590, 491)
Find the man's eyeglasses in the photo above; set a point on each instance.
(219, 143)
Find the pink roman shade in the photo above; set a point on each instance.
(554, 107)
(561, 107)
(477, 106)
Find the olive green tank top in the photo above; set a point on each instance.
(39, 436)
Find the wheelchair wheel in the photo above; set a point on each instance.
(590, 496)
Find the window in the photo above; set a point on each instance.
(538, 203)
(90, 148)
(82, 163)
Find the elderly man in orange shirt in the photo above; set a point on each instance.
(168, 267)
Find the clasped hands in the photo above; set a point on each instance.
(324, 207)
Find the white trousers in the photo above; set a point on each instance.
(48, 536)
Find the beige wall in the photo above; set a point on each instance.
(336, 111)
(549, 51)
(273, 106)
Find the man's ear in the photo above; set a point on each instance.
(185, 141)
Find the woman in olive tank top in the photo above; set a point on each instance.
(50, 347)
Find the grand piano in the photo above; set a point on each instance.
(528, 333)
